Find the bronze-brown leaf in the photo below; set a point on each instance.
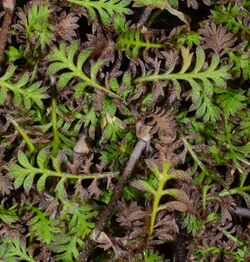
(216, 38)
(5, 185)
(66, 26)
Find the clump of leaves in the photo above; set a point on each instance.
(216, 38)
(8, 216)
(38, 29)
(157, 190)
(241, 64)
(233, 17)
(25, 93)
(78, 218)
(41, 226)
(13, 249)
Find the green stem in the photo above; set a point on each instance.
(93, 4)
(162, 178)
(141, 44)
(157, 198)
(104, 89)
(28, 141)
(174, 76)
(202, 166)
(88, 80)
(233, 191)
(72, 176)
(194, 156)
(56, 139)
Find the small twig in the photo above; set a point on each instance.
(5, 32)
(145, 15)
(241, 211)
(9, 6)
(143, 134)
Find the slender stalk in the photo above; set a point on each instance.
(157, 198)
(141, 44)
(174, 76)
(73, 176)
(234, 191)
(26, 138)
(201, 165)
(194, 156)
(56, 139)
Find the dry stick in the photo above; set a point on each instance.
(9, 6)
(145, 16)
(143, 140)
(241, 211)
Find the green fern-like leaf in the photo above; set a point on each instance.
(79, 220)
(12, 250)
(79, 217)
(231, 101)
(202, 81)
(113, 128)
(63, 130)
(14, 53)
(41, 226)
(90, 121)
(8, 216)
(24, 93)
(105, 8)
(192, 223)
(234, 150)
(186, 38)
(62, 58)
(151, 255)
(118, 151)
(37, 25)
(157, 190)
(132, 41)
(24, 173)
(76, 120)
(241, 64)
(231, 16)
(66, 248)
